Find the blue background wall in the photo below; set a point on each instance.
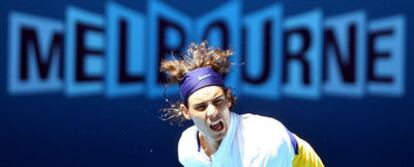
(54, 130)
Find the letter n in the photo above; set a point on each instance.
(344, 56)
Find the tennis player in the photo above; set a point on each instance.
(220, 137)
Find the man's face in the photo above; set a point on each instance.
(209, 108)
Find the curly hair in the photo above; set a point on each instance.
(197, 56)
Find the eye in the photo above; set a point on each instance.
(200, 107)
(219, 101)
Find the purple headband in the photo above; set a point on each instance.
(197, 79)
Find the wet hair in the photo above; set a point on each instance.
(197, 56)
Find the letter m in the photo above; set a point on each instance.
(35, 54)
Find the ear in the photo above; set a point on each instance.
(185, 111)
(229, 97)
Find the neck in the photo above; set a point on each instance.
(209, 145)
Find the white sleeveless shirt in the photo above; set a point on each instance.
(251, 141)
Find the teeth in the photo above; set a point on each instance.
(215, 123)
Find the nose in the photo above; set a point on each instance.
(212, 111)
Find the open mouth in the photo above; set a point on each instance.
(217, 126)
